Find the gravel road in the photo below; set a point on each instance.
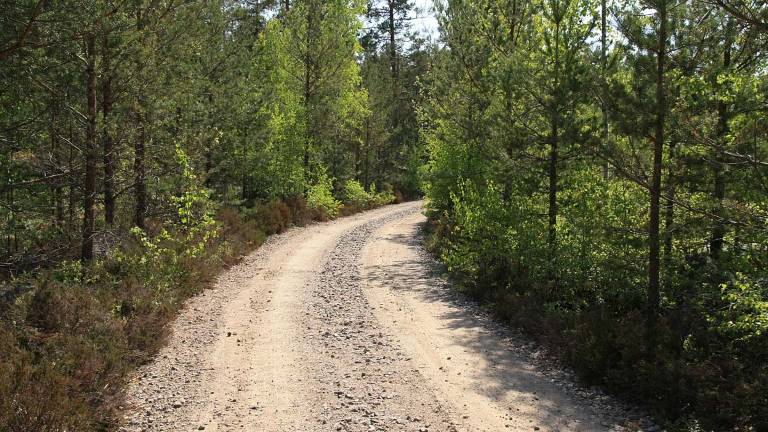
(350, 326)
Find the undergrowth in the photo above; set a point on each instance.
(702, 379)
(69, 340)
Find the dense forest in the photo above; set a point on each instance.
(592, 170)
(597, 170)
(147, 144)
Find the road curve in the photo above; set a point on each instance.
(348, 326)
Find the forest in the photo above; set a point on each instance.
(593, 171)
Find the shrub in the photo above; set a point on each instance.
(67, 343)
(386, 196)
(356, 198)
(354, 193)
(273, 217)
(320, 197)
(301, 214)
(35, 395)
(710, 359)
(399, 198)
(238, 234)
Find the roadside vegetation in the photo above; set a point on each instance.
(71, 333)
(597, 175)
(146, 146)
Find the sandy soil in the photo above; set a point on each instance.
(350, 326)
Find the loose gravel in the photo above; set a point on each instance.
(305, 335)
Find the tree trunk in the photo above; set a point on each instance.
(393, 47)
(244, 174)
(72, 182)
(669, 206)
(723, 116)
(552, 234)
(553, 158)
(366, 162)
(391, 161)
(140, 144)
(358, 153)
(139, 170)
(211, 141)
(58, 189)
(89, 193)
(11, 223)
(107, 102)
(604, 71)
(654, 289)
(208, 166)
(309, 71)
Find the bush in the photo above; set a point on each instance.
(274, 217)
(320, 197)
(35, 395)
(355, 194)
(386, 196)
(709, 365)
(67, 344)
(238, 234)
(301, 214)
(356, 198)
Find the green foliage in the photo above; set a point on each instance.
(745, 319)
(392, 150)
(164, 260)
(354, 194)
(201, 128)
(386, 196)
(320, 197)
(313, 103)
(195, 226)
(478, 243)
(540, 204)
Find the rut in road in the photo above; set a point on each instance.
(346, 326)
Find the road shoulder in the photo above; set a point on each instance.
(484, 372)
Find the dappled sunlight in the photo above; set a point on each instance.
(460, 347)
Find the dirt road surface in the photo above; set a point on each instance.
(350, 326)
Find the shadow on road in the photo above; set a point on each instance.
(507, 373)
